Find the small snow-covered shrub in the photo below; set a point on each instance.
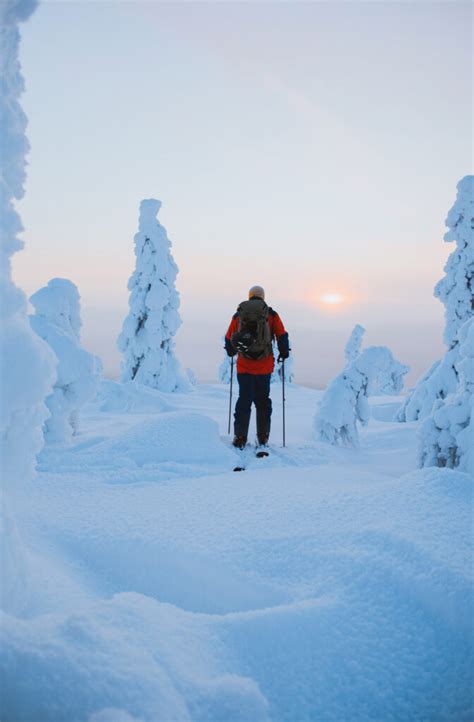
(352, 349)
(346, 400)
(225, 367)
(58, 321)
(456, 291)
(147, 337)
(447, 435)
(277, 375)
(225, 370)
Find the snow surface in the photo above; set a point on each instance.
(324, 584)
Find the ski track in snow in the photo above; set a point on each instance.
(323, 583)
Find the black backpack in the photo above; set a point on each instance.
(254, 338)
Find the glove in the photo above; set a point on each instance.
(282, 356)
(230, 349)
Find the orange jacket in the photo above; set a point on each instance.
(263, 365)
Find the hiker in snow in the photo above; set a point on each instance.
(250, 334)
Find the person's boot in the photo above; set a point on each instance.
(239, 442)
(262, 439)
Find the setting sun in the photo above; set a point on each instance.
(332, 299)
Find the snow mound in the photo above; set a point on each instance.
(130, 397)
(128, 659)
(176, 437)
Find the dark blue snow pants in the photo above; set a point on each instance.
(253, 389)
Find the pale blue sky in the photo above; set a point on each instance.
(308, 147)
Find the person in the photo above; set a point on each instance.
(250, 335)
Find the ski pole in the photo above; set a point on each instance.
(230, 396)
(283, 396)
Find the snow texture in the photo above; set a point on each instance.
(27, 364)
(130, 652)
(352, 349)
(147, 338)
(130, 397)
(58, 322)
(323, 584)
(447, 436)
(456, 291)
(175, 438)
(346, 400)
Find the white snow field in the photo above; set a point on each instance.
(323, 584)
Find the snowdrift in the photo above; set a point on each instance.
(177, 438)
(131, 397)
(128, 658)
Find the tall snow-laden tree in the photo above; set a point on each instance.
(352, 349)
(58, 321)
(346, 400)
(27, 363)
(447, 435)
(147, 338)
(456, 291)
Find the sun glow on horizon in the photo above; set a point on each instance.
(332, 299)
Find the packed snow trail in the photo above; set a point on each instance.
(324, 584)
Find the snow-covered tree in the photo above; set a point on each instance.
(58, 321)
(352, 349)
(147, 338)
(456, 291)
(27, 364)
(277, 374)
(346, 399)
(447, 435)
